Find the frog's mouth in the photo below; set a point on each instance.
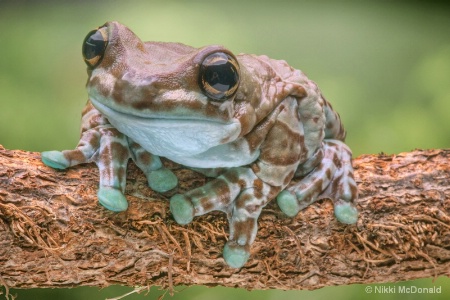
(170, 136)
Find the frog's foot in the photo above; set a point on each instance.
(80, 155)
(236, 255)
(332, 178)
(182, 209)
(240, 194)
(112, 198)
(55, 160)
(159, 178)
(345, 212)
(162, 180)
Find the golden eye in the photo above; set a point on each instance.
(219, 76)
(94, 46)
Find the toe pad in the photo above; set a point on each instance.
(54, 159)
(288, 203)
(235, 255)
(162, 180)
(112, 199)
(182, 209)
(345, 212)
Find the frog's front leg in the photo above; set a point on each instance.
(331, 178)
(103, 144)
(108, 148)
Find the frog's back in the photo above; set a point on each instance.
(289, 75)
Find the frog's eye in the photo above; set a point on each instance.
(219, 76)
(94, 46)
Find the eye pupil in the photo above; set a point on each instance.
(94, 46)
(219, 76)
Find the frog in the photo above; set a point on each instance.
(257, 127)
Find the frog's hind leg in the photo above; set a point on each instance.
(332, 177)
(343, 189)
(243, 221)
(241, 195)
(159, 178)
(298, 196)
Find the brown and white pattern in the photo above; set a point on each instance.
(251, 122)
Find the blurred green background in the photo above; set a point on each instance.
(385, 66)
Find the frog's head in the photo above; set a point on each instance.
(163, 95)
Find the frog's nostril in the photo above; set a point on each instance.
(149, 80)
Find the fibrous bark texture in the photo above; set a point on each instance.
(53, 233)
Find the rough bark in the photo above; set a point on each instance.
(53, 233)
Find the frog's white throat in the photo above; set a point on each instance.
(191, 142)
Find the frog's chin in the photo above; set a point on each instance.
(172, 137)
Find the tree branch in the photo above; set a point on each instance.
(53, 233)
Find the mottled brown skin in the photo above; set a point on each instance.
(271, 124)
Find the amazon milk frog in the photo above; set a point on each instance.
(251, 122)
